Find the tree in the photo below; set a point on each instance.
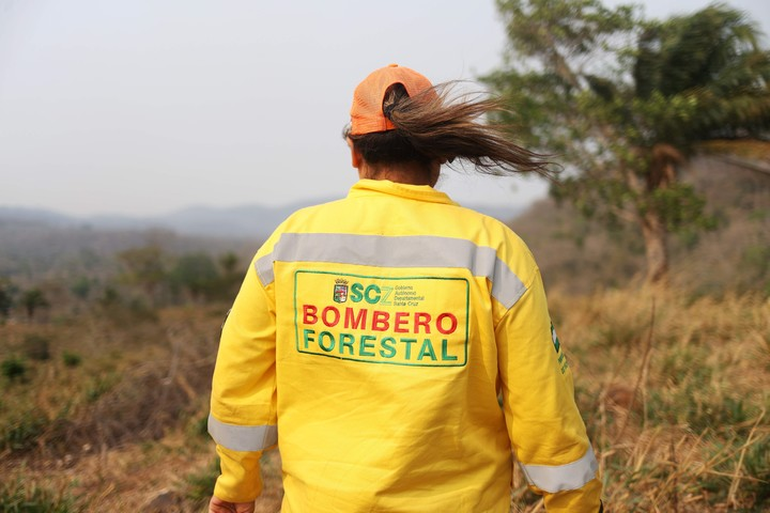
(197, 273)
(82, 287)
(6, 298)
(144, 266)
(231, 274)
(229, 263)
(32, 300)
(624, 102)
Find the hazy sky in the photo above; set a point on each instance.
(142, 107)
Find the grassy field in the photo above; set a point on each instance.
(105, 410)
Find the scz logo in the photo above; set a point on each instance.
(340, 291)
(372, 294)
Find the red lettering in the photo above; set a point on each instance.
(353, 320)
(402, 318)
(309, 314)
(421, 319)
(335, 316)
(380, 320)
(452, 323)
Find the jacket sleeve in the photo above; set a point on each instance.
(243, 399)
(547, 434)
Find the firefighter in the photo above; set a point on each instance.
(394, 346)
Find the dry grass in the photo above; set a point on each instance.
(675, 392)
(676, 395)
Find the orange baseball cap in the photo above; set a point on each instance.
(366, 114)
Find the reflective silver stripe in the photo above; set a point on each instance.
(558, 478)
(264, 267)
(507, 288)
(399, 251)
(242, 438)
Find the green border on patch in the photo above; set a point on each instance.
(402, 364)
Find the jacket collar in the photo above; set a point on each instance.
(365, 187)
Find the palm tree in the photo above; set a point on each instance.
(625, 102)
(711, 63)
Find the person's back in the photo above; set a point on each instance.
(402, 346)
(388, 377)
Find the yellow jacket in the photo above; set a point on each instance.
(373, 339)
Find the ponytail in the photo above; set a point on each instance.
(431, 126)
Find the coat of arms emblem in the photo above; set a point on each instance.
(340, 291)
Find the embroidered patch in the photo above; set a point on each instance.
(556, 344)
(406, 320)
(340, 291)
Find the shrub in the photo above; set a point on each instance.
(21, 433)
(37, 347)
(14, 368)
(71, 359)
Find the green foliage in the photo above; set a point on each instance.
(71, 359)
(110, 297)
(20, 431)
(139, 310)
(756, 462)
(145, 267)
(620, 335)
(14, 368)
(689, 238)
(623, 101)
(196, 273)
(82, 288)
(231, 274)
(680, 208)
(592, 196)
(198, 427)
(100, 385)
(32, 300)
(694, 397)
(123, 310)
(37, 347)
(163, 278)
(6, 298)
(200, 485)
(15, 497)
(696, 409)
(757, 258)
(229, 263)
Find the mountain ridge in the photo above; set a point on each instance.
(249, 220)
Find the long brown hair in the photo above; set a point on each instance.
(445, 126)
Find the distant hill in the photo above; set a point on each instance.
(251, 221)
(39, 244)
(254, 222)
(573, 253)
